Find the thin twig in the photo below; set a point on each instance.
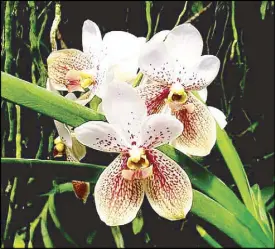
(181, 14)
(235, 44)
(148, 18)
(55, 24)
(194, 17)
(157, 21)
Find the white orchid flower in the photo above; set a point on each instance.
(114, 56)
(173, 69)
(139, 169)
(67, 145)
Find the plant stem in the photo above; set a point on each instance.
(148, 19)
(18, 132)
(235, 44)
(157, 21)
(55, 24)
(181, 14)
(117, 237)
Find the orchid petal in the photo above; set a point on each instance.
(160, 36)
(156, 63)
(169, 190)
(184, 43)
(64, 133)
(55, 88)
(117, 200)
(199, 134)
(123, 106)
(202, 74)
(126, 70)
(203, 94)
(154, 95)
(120, 45)
(100, 136)
(91, 39)
(60, 62)
(219, 116)
(159, 129)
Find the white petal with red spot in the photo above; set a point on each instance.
(159, 129)
(156, 63)
(100, 136)
(202, 74)
(184, 43)
(199, 134)
(169, 190)
(117, 200)
(61, 62)
(122, 106)
(154, 95)
(91, 39)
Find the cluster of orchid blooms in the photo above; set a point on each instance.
(162, 109)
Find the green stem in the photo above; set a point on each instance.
(181, 14)
(235, 44)
(55, 24)
(39, 152)
(50, 144)
(157, 21)
(7, 237)
(18, 132)
(118, 237)
(148, 19)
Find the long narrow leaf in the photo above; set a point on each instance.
(220, 217)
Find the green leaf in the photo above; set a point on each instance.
(197, 7)
(236, 168)
(137, 223)
(19, 240)
(208, 238)
(263, 9)
(45, 102)
(261, 212)
(267, 193)
(224, 220)
(56, 221)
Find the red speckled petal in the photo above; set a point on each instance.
(117, 199)
(100, 136)
(154, 94)
(168, 190)
(62, 61)
(159, 129)
(199, 134)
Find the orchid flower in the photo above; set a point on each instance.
(139, 169)
(174, 68)
(67, 145)
(116, 56)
